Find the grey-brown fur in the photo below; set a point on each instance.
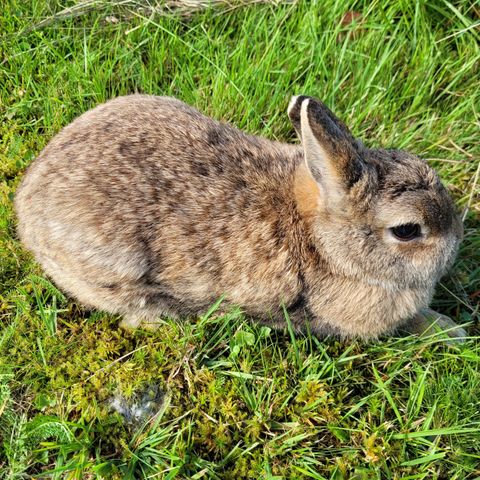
(144, 207)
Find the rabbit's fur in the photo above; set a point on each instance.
(146, 208)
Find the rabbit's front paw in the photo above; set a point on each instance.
(139, 320)
(428, 322)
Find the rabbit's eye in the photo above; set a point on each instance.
(407, 232)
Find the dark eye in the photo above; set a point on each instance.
(407, 232)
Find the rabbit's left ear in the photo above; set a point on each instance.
(331, 152)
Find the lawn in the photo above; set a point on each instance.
(220, 396)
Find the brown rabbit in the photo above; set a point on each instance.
(146, 208)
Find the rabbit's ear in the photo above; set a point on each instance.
(331, 152)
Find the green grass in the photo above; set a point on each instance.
(233, 399)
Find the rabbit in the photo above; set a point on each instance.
(146, 208)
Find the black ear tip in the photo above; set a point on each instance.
(320, 115)
(317, 107)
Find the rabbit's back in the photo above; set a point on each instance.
(146, 194)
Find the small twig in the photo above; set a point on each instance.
(160, 7)
(460, 149)
(69, 12)
(123, 357)
(184, 361)
(456, 297)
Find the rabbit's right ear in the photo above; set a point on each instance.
(331, 152)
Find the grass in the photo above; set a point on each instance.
(228, 398)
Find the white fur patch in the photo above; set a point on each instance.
(292, 103)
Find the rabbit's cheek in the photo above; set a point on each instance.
(430, 257)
